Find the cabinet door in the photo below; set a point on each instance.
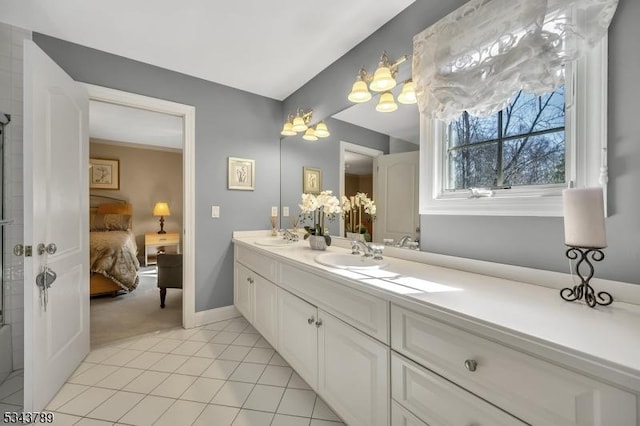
(353, 373)
(242, 290)
(265, 309)
(297, 336)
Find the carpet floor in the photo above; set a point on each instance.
(135, 313)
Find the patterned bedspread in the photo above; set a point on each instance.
(113, 254)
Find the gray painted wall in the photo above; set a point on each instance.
(525, 241)
(229, 122)
(325, 155)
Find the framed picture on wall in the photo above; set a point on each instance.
(311, 180)
(104, 174)
(242, 174)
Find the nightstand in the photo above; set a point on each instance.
(154, 243)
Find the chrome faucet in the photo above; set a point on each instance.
(357, 244)
(404, 240)
(289, 236)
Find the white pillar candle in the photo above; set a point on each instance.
(584, 218)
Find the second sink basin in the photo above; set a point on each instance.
(274, 242)
(349, 261)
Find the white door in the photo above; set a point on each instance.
(397, 194)
(353, 373)
(265, 309)
(56, 210)
(243, 278)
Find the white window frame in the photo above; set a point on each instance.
(585, 161)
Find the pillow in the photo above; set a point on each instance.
(111, 222)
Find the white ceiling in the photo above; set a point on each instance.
(357, 164)
(270, 48)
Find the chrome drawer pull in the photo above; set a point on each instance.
(318, 323)
(471, 364)
(250, 280)
(311, 320)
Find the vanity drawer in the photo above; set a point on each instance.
(363, 311)
(437, 401)
(536, 391)
(400, 416)
(260, 264)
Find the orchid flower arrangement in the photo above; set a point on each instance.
(352, 208)
(321, 207)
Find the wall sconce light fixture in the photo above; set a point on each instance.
(383, 80)
(300, 122)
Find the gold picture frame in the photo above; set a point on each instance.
(104, 174)
(311, 180)
(242, 174)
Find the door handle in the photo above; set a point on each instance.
(50, 248)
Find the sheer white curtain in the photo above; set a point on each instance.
(477, 57)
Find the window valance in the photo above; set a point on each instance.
(477, 57)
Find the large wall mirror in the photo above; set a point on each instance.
(368, 151)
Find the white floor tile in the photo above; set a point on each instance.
(122, 358)
(323, 412)
(9, 408)
(66, 394)
(234, 353)
(275, 375)
(147, 411)
(183, 334)
(181, 413)
(173, 386)
(93, 422)
(250, 329)
(246, 339)
(93, 375)
(233, 394)
(262, 343)
(146, 360)
(220, 369)
(247, 372)
(11, 385)
(259, 355)
(146, 382)
(217, 326)
(62, 419)
(120, 378)
(276, 359)
(316, 422)
(87, 401)
(284, 420)
(236, 326)
(203, 389)
(170, 363)
(264, 398)
(203, 335)
(217, 415)
(16, 398)
(225, 337)
(297, 402)
(165, 345)
(99, 355)
(145, 343)
(84, 366)
(211, 350)
(188, 348)
(253, 418)
(116, 406)
(296, 382)
(194, 366)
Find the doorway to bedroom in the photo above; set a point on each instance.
(137, 220)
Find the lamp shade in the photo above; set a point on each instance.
(299, 125)
(386, 103)
(310, 135)
(584, 218)
(161, 209)
(321, 130)
(382, 80)
(408, 93)
(287, 129)
(359, 92)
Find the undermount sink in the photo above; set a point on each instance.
(349, 261)
(275, 242)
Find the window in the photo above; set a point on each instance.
(525, 155)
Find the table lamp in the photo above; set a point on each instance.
(161, 209)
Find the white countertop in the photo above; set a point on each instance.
(603, 341)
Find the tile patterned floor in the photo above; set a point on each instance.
(11, 393)
(220, 374)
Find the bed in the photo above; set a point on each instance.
(113, 252)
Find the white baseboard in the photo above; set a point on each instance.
(217, 314)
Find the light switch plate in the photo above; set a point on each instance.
(285, 211)
(274, 211)
(215, 211)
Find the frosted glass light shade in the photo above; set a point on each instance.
(408, 94)
(382, 80)
(287, 129)
(321, 130)
(161, 209)
(310, 135)
(299, 125)
(584, 218)
(386, 103)
(359, 92)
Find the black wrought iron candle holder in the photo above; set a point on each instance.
(584, 289)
